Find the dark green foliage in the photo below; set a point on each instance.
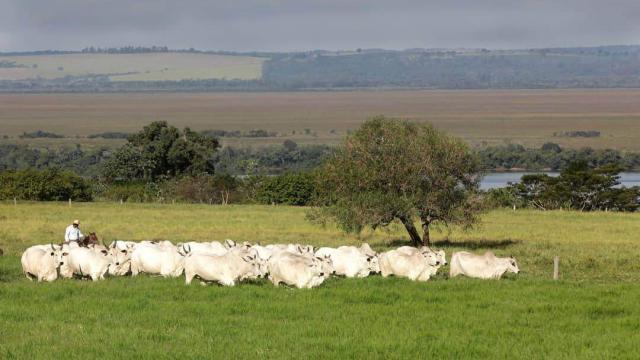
(397, 170)
(554, 158)
(613, 66)
(288, 189)
(46, 185)
(238, 133)
(81, 161)
(578, 187)
(129, 191)
(208, 189)
(110, 135)
(270, 159)
(578, 133)
(40, 134)
(162, 150)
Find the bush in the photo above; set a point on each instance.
(288, 188)
(129, 192)
(47, 185)
(217, 189)
(40, 134)
(109, 135)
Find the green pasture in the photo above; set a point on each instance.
(591, 312)
(134, 67)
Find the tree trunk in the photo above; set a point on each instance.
(413, 232)
(426, 239)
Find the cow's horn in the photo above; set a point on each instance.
(52, 248)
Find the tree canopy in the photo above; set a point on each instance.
(391, 170)
(160, 149)
(578, 187)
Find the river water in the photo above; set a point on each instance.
(498, 180)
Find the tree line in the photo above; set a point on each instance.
(290, 156)
(388, 171)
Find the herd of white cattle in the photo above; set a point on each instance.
(229, 262)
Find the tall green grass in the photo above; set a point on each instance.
(591, 312)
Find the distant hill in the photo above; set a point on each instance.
(142, 69)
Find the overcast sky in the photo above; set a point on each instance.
(286, 25)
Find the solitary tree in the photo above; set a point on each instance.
(399, 170)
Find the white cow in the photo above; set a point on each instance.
(224, 269)
(298, 249)
(486, 266)
(416, 266)
(42, 262)
(203, 248)
(350, 261)
(121, 254)
(160, 260)
(93, 261)
(298, 270)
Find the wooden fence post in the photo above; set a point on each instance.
(15, 201)
(69, 202)
(556, 267)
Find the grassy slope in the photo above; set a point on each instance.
(138, 67)
(591, 312)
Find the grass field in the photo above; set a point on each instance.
(134, 67)
(591, 312)
(528, 117)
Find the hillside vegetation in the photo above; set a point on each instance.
(153, 69)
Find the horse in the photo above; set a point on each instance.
(91, 239)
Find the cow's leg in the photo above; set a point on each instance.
(188, 276)
(29, 276)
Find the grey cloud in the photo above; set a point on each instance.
(329, 24)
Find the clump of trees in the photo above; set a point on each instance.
(47, 185)
(40, 134)
(161, 150)
(578, 133)
(553, 157)
(578, 187)
(392, 170)
(255, 133)
(109, 135)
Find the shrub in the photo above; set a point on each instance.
(47, 185)
(109, 135)
(217, 189)
(129, 192)
(40, 134)
(288, 188)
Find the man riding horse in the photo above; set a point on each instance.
(73, 234)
